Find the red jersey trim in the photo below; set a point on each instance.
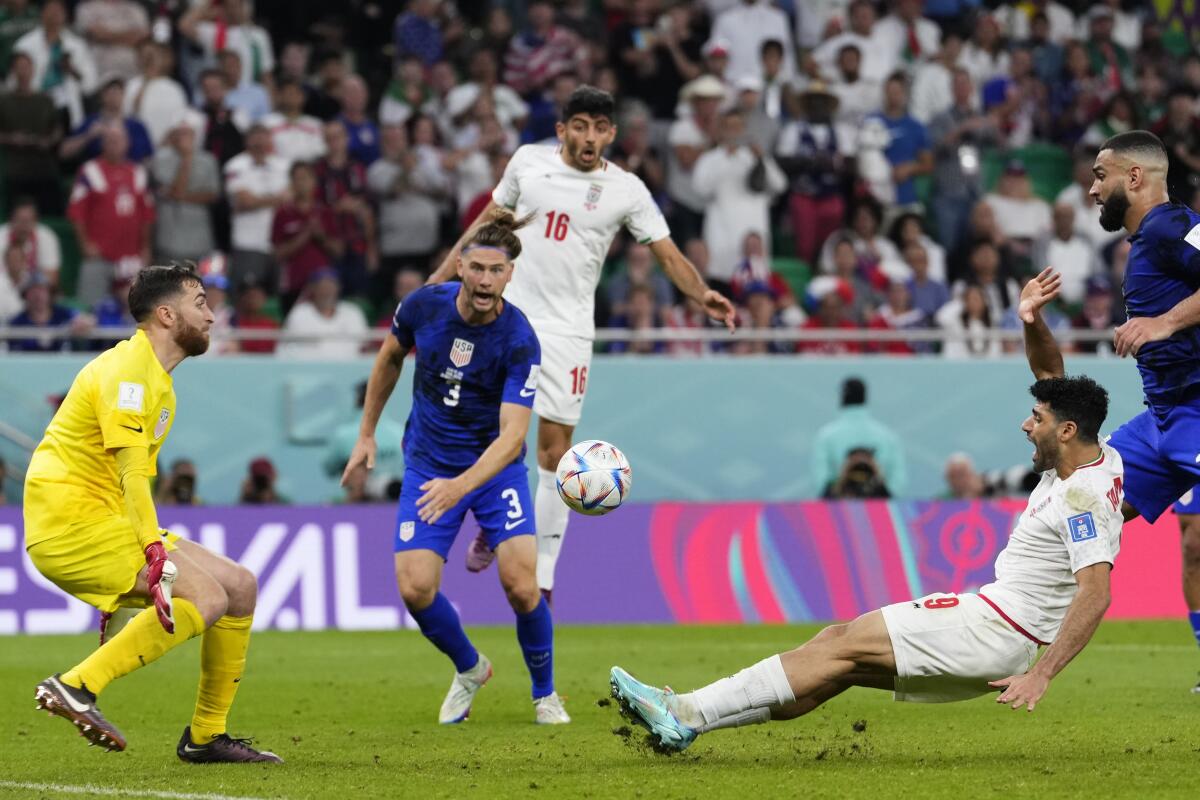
(1095, 463)
(1009, 619)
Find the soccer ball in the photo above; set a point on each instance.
(594, 478)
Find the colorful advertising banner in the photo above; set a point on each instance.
(331, 567)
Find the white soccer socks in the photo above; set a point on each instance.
(742, 699)
(551, 515)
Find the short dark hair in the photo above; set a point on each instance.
(288, 82)
(1136, 143)
(299, 165)
(23, 201)
(591, 101)
(212, 72)
(854, 392)
(1077, 399)
(769, 45)
(155, 284)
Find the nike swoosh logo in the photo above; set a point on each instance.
(138, 429)
(527, 392)
(71, 701)
(187, 748)
(508, 526)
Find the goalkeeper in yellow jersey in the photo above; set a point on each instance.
(91, 527)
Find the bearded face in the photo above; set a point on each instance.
(1113, 209)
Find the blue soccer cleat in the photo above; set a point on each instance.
(647, 706)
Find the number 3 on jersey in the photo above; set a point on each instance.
(556, 226)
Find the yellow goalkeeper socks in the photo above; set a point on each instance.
(222, 661)
(141, 641)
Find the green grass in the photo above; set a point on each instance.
(355, 714)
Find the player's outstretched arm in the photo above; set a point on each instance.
(1083, 617)
(442, 494)
(449, 266)
(384, 374)
(1045, 357)
(1129, 337)
(133, 470)
(687, 279)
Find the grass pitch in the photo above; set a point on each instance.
(354, 715)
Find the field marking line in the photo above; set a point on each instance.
(92, 789)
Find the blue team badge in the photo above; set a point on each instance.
(460, 353)
(1082, 527)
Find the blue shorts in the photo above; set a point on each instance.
(502, 507)
(1189, 503)
(1161, 451)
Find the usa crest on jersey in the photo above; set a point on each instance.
(593, 196)
(460, 352)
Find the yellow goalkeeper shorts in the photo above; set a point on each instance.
(97, 561)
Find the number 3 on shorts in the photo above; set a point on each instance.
(514, 502)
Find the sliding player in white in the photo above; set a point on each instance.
(581, 201)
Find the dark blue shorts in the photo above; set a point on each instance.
(502, 507)
(1161, 451)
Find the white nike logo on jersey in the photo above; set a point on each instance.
(527, 392)
(508, 526)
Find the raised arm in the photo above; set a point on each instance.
(1045, 357)
(384, 374)
(1083, 617)
(1129, 337)
(687, 279)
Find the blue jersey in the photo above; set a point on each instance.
(464, 372)
(1164, 269)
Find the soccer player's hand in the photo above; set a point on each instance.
(363, 454)
(160, 590)
(1021, 690)
(1128, 338)
(717, 306)
(441, 495)
(1038, 292)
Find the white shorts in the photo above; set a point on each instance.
(949, 646)
(562, 380)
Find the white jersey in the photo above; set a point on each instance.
(1068, 525)
(563, 249)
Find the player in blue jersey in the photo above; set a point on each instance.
(1160, 446)
(477, 362)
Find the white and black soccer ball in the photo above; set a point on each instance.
(594, 477)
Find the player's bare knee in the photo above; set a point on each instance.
(212, 604)
(523, 596)
(417, 593)
(243, 593)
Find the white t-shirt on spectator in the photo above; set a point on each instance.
(684, 132)
(1020, 219)
(70, 93)
(158, 107)
(977, 344)
(982, 65)
(732, 209)
(252, 229)
(1016, 23)
(1074, 259)
(49, 254)
(113, 60)
(250, 41)
(932, 91)
(891, 33)
(745, 27)
(300, 139)
(509, 105)
(875, 62)
(305, 319)
(855, 101)
(1087, 216)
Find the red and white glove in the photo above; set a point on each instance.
(159, 577)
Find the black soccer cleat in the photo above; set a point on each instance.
(78, 707)
(223, 749)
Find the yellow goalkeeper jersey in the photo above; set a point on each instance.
(122, 398)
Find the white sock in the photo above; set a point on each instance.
(755, 716)
(551, 515)
(761, 686)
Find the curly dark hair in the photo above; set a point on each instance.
(1077, 399)
(155, 284)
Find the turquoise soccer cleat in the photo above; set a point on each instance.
(647, 706)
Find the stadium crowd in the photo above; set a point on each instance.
(829, 164)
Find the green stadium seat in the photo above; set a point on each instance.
(796, 272)
(272, 310)
(1049, 168)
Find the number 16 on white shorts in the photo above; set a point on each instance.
(562, 380)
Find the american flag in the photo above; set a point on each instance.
(460, 353)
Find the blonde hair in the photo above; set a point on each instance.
(500, 232)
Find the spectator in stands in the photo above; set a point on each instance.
(745, 26)
(810, 153)
(389, 457)
(639, 270)
(1045, 48)
(715, 54)
(985, 56)
(908, 150)
(634, 151)
(13, 277)
(928, 293)
(216, 287)
(1073, 256)
(228, 25)
(113, 312)
(248, 315)
(737, 180)
(331, 327)
(223, 127)
(406, 94)
(1076, 97)
(875, 63)
(857, 95)
(188, 182)
(153, 96)
(30, 130)
(1119, 115)
(856, 428)
(405, 283)
(418, 33)
(63, 67)
(541, 52)
(834, 301)
(257, 184)
(305, 235)
(932, 86)
(897, 313)
(986, 272)
(409, 194)
(363, 133)
(510, 109)
(17, 18)
(248, 99)
(258, 487)
(960, 135)
(875, 252)
(643, 315)
(909, 228)
(112, 209)
(36, 241)
(1020, 215)
(759, 312)
(967, 320)
(178, 486)
(114, 29)
(40, 311)
(342, 187)
(1108, 58)
(776, 85)
(861, 279)
(859, 478)
(1151, 96)
(478, 171)
(295, 136)
(688, 138)
(761, 129)
(963, 482)
(1087, 213)
(1179, 130)
(84, 141)
(1097, 314)
(755, 267)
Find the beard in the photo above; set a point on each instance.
(192, 340)
(1112, 210)
(1045, 455)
